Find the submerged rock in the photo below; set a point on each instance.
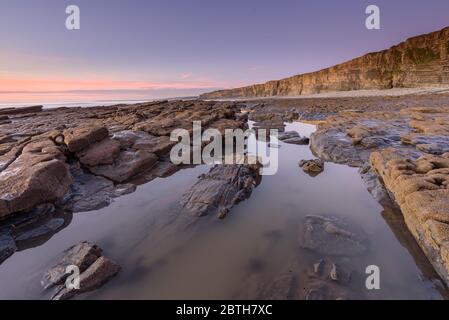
(332, 236)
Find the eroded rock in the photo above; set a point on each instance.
(81, 137)
(333, 237)
(95, 270)
(7, 245)
(220, 189)
(36, 176)
(312, 167)
(128, 164)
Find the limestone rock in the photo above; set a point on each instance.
(221, 188)
(417, 62)
(82, 255)
(126, 165)
(81, 137)
(7, 245)
(312, 167)
(332, 236)
(100, 272)
(36, 176)
(99, 153)
(297, 140)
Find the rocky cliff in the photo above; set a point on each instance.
(421, 61)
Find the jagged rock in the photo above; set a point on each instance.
(327, 269)
(139, 140)
(126, 165)
(102, 152)
(332, 236)
(420, 186)
(312, 167)
(36, 176)
(437, 145)
(297, 140)
(21, 110)
(81, 137)
(7, 245)
(88, 192)
(100, 272)
(221, 188)
(282, 287)
(39, 234)
(288, 135)
(82, 255)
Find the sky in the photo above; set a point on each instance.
(147, 49)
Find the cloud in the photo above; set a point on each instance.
(186, 75)
(18, 89)
(63, 85)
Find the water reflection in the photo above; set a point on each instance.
(253, 253)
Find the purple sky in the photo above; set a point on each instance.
(139, 49)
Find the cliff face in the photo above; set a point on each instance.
(421, 61)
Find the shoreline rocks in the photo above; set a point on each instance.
(95, 270)
(312, 167)
(217, 191)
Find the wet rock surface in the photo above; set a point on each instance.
(312, 167)
(332, 236)
(402, 155)
(95, 270)
(80, 159)
(7, 245)
(217, 191)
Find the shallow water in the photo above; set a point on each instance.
(166, 256)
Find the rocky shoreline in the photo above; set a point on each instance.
(57, 162)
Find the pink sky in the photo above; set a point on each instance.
(34, 89)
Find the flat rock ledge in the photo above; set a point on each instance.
(421, 188)
(80, 159)
(95, 271)
(403, 156)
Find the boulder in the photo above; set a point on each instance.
(312, 167)
(288, 135)
(81, 137)
(128, 164)
(100, 272)
(38, 175)
(82, 255)
(220, 189)
(297, 140)
(102, 152)
(95, 270)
